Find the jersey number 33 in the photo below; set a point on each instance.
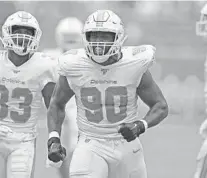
(24, 108)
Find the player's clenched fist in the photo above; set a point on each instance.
(130, 131)
(56, 152)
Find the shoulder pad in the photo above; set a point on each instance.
(72, 51)
(142, 48)
(138, 49)
(47, 56)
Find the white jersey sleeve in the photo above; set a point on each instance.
(68, 67)
(65, 62)
(51, 74)
(146, 54)
(62, 67)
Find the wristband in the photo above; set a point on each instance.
(54, 134)
(145, 123)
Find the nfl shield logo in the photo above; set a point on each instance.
(104, 71)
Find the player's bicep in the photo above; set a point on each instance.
(149, 91)
(47, 93)
(62, 92)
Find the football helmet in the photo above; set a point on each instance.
(104, 21)
(29, 43)
(201, 25)
(68, 33)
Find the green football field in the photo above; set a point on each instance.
(170, 152)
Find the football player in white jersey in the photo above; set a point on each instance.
(68, 36)
(25, 77)
(201, 170)
(107, 80)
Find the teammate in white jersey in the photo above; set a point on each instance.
(106, 80)
(201, 170)
(68, 36)
(25, 77)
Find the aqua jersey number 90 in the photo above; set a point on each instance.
(94, 106)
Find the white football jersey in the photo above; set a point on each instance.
(21, 90)
(106, 95)
(54, 53)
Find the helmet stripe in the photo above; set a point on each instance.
(102, 16)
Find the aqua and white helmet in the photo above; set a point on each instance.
(68, 33)
(29, 43)
(104, 21)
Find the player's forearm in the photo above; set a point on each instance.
(55, 118)
(156, 114)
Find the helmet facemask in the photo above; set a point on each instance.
(100, 51)
(21, 43)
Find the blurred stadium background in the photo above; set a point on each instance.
(171, 147)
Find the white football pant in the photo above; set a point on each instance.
(17, 157)
(96, 158)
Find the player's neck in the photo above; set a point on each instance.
(16, 59)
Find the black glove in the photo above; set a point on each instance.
(56, 152)
(130, 131)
